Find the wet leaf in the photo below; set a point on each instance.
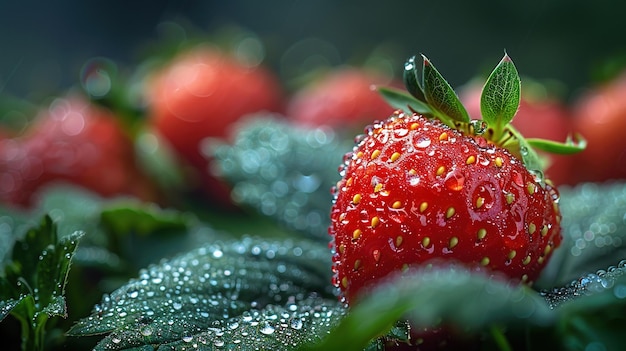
(592, 309)
(34, 279)
(413, 80)
(284, 172)
(275, 327)
(192, 294)
(440, 95)
(7, 304)
(72, 209)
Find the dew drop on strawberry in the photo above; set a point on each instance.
(400, 132)
(518, 179)
(455, 180)
(422, 142)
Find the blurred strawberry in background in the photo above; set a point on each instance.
(71, 141)
(600, 115)
(540, 115)
(197, 96)
(341, 98)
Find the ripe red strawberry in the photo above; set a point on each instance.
(435, 185)
(76, 142)
(601, 113)
(343, 98)
(198, 96)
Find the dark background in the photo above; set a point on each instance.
(43, 44)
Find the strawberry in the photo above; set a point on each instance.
(429, 183)
(198, 96)
(342, 98)
(76, 142)
(601, 113)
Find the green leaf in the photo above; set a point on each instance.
(33, 285)
(440, 95)
(570, 146)
(7, 305)
(412, 80)
(448, 294)
(501, 95)
(592, 309)
(188, 296)
(274, 327)
(142, 219)
(401, 100)
(520, 147)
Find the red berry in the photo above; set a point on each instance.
(430, 184)
(76, 142)
(343, 98)
(198, 96)
(415, 190)
(601, 115)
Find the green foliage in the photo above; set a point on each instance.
(217, 290)
(284, 172)
(238, 287)
(403, 101)
(33, 283)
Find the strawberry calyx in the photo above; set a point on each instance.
(430, 95)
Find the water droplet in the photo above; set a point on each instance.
(422, 142)
(218, 253)
(400, 132)
(479, 126)
(296, 323)
(455, 180)
(132, 293)
(146, 331)
(267, 329)
(524, 151)
(187, 338)
(518, 179)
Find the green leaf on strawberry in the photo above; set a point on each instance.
(440, 95)
(403, 101)
(430, 94)
(412, 79)
(501, 96)
(572, 145)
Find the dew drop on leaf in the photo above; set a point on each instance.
(296, 323)
(266, 328)
(146, 331)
